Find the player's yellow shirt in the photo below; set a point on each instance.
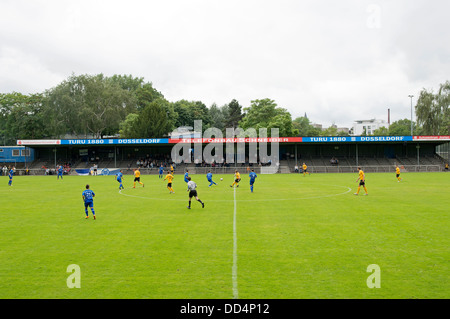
(237, 176)
(361, 175)
(137, 173)
(305, 167)
(169, 178)
(397, 170)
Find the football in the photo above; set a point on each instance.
(221, 179)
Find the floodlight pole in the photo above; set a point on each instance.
(411, 96)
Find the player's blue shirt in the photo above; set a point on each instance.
(252, 176)
(11, 173)
(186, 176)
(209, 176)
(88, 196)
(161, 170)
(119, 176)
(60, 170)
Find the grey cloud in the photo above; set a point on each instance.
(335, 60)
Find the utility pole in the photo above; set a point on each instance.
(411, 96)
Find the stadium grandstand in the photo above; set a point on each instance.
(321, 154)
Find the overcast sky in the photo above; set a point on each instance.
(336, 61)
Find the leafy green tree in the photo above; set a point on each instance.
(343, 133)
(265, 114)
(188, 111)
(304, 127)
(127, 82)
(233, 114)
(401, 128)
(333, 131)
(146, 94)
(184, 116)
(382, 131)
(63, 105)
(88, 105)
(444, 102)
(7, 102)
(201, 112)
(21, 117)
(152, 121)
(218, 115)
(106, 105)
(432, 110)
(128, 126)
(330, 131)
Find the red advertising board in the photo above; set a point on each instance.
(236, 140)
(432, 138)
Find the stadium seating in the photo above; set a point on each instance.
(316, 164)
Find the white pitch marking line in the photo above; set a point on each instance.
(234, 268)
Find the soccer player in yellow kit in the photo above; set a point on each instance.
(305, 169)
(169, 178)
(397, 172)
(237, 179)
(137, 178)
(362, 181)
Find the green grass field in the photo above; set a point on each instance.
(295, 237)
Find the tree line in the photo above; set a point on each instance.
(95, 106)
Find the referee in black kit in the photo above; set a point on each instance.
(193, 192)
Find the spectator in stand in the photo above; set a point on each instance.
(333, 161)
(296, 168)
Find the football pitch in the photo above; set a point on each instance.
(294, 237)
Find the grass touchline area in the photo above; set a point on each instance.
(294, 237)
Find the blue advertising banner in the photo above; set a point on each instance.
(339, 139)
(125, 141)
(102, 171)
(84, 171)
(109, 171)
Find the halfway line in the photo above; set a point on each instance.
(234, 268)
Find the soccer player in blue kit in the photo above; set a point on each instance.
(161, 171)
(253, 177)
(119, 177)
(60, 172)
(88, 198)
(186, 176)
(10, 175)
(209, 177)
